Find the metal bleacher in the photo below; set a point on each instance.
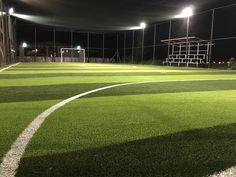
(187, 51)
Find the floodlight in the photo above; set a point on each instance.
(2, 13)
(186, 13)
(78, 47)
(134, 28)
(24, 45)
(143, 25)
(11, 11)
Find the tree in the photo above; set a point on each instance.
(232, 63)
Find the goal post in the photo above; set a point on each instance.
(73, 55)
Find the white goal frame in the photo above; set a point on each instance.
(72, 49)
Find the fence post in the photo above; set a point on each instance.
(170, 31)
(103, 46)
(88, 45)
(124, 47)
(71, 42)
(54, 43)
(154, 44)
(143, 45)
(35, 43)
(211, 37)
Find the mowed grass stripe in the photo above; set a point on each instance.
(15, 117)
(102, 74)
(18, 148)
(46, 88)
(169, 87)
(51, 92)
(12, 159)
(106, 80)
(171, 134)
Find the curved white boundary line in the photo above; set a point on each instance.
(10, 162)
(9, 67)
(230, 172)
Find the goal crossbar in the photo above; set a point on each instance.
(72, 49)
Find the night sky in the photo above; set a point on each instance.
(111, 16)
(106, 14)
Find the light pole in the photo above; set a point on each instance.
(142, 26)
(154, 44)
(133, 47)
(186, 13)
(211, 37)
(24, 45)
(10, 41)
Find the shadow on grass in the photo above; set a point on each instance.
(52, 92)
(168, 87)
(47, 75)
(195, 153)
(45, 92)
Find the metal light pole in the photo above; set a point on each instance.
(188, 22)
(133, 48)
(124, 47)
(117, 47)
(186, 13)
(154, 44)
(23, 46)
(103, 46)
(187, 35)
(35, 43)
(170, 31)
(54, 43)
(142, 26)
(9, 40)
(211, 38)
(71, 43)
(88, 45)
(142, 45)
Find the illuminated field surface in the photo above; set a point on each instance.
(182, 124)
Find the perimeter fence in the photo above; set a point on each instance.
(7, 37)
(137, 46)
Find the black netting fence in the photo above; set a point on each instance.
(7, 37)
(138, 46)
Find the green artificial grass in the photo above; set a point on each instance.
(60, 74)
(169, 134)
(15, 117)
(155, 129)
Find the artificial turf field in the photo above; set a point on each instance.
(162, 129)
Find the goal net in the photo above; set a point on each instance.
(72, 55)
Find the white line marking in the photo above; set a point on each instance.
(10, 162)
(230, 172)
(9, 67)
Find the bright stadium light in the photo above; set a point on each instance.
(143, 25)
(2, 13)
(78, 47)
(24, 45)
(11, 11)
(186, 13)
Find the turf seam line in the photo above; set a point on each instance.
(11, 161)
(9, 67)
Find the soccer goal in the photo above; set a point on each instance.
(73, 55)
